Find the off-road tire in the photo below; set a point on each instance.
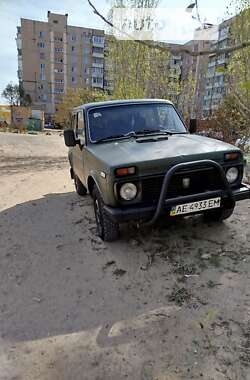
(107, 230)
(80, 188)
(218, 215)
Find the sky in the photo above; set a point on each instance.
(80, 14)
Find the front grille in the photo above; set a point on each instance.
(201, 180)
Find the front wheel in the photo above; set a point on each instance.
(218, 215)
(107, 230)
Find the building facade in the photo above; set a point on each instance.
(54, 56)
(215, 80)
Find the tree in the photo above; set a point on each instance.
(233, 115)
(138, 71)
(229, 119)
(74, 98)
(186, 102)
(25, 99)
(238, 71)
(16, 95)
(11, 93)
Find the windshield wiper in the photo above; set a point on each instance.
(156, 132)
(149, 132)
(110, 138)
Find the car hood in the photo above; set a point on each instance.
(156, 156)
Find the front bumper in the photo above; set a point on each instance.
(121, 215)
(151, 213)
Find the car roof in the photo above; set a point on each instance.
(120, 102)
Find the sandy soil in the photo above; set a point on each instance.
(171, 303)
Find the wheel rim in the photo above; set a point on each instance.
(98, 217)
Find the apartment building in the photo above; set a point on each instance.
(195, 68)
(215, 81)
(54, 56)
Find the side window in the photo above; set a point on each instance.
(80, 132)
(74, 122)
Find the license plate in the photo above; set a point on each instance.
(195, 206)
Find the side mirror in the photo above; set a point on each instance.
(193, 126)
(69, 137)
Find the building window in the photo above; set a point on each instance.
(98, 40)
(73, 79)
(41, 45)
(86, 50)
(98, 60)
(73, 37)
(55, 21)
(73, 69)
(42, 35)
(59, 39)
(87, 80)
(58, 60)
(98, 50)
(59, 90)
(42, 72)
(86, 70)
(86, 37)
(97, 70)
(85, 59)
(97, 80)
(42, 75)
(58, 71)
(58, 50)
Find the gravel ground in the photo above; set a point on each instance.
(168, 303)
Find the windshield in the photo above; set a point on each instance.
(119, 121)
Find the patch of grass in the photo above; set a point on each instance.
(179, 296)
(215, 261)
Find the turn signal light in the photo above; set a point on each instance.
(125, 171)
(232, 156)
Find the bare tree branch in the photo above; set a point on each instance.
(174, 50)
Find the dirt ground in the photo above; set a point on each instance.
(168, 303)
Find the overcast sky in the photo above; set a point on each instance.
(80, 14)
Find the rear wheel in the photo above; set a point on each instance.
(80, 188)
(107, 230)
(218, 215)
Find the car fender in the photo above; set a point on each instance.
(94, 178)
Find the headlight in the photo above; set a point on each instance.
(232, 175)
(128, 191)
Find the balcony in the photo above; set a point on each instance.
(98, 41)
(20, 74)
(97, 82)
(98, 54)
(207, 97)
(19, 42)
(211, 64)
(210, 75)
(217, 96)
(100, 65)
(221, 61)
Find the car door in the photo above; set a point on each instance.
(80, 147)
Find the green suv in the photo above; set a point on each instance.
(138, 161)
